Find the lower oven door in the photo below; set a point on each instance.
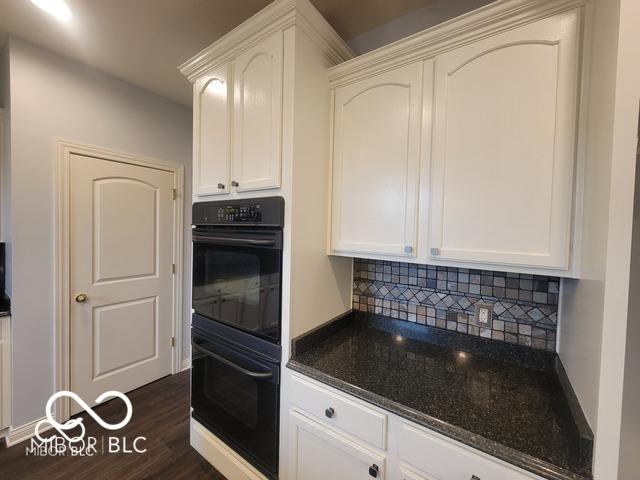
(236, 394)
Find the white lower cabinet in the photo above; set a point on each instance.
(438, 458)
(321, 453)
(407, 473)
(320, 449)
(336, 410)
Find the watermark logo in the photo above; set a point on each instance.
(64, 442)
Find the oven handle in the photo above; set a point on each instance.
(229, 363)
(234, 241)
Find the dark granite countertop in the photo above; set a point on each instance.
(511, 402)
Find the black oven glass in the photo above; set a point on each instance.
(235, 394)
(238, 285)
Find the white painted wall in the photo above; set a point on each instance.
(582, 303)
(413, 22)
(54, 97)
(594, 310)
(616, 301)
(630, 434)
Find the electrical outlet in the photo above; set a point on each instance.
(484, 315)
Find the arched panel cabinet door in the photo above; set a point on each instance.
(211, 150)
(258, 116)
(504, 147)
(376, 150)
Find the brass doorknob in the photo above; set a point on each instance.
(81, 298)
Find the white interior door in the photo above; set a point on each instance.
(121, 243)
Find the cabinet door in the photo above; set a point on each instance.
(408, 473)
(503, 146)
(258, 116)
(212, 133)
(318, 453)
(376, 154)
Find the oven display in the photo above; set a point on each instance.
(240, 213)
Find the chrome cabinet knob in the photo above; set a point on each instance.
(221, 186)
(81, 298)
(475, 477)
(373, 470)
(329, 412)
(235, 184)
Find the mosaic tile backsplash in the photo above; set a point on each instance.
(525, 307)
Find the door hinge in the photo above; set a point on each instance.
(173, 341)
(174, 192)
(173, 268)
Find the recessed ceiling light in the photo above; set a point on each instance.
(57, 8)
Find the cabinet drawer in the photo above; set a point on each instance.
(363, 423)
(443, 460)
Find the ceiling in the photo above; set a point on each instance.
(144, 41)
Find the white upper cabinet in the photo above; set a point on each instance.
(376, 150)
(212, 136)
(503, 155)
(257, 129)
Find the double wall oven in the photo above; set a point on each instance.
(236, 325)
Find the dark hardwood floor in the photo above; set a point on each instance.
(160, 413)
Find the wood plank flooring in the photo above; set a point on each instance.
(160, 413)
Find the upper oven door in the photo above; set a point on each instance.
(237, 278)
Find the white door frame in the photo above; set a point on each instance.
(62, 256)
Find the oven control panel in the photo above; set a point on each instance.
(258, 212)
(240, 213)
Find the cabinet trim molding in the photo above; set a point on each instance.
(277, 16)
(488, 20)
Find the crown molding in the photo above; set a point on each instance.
(277, 16)
(310, 21)
(470, 27)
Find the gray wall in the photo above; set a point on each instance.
(416, 21)
(52, 96)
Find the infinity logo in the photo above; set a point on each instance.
(78, 422)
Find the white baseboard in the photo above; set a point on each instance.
(186, 364)
(225, 460)
(25, 432)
